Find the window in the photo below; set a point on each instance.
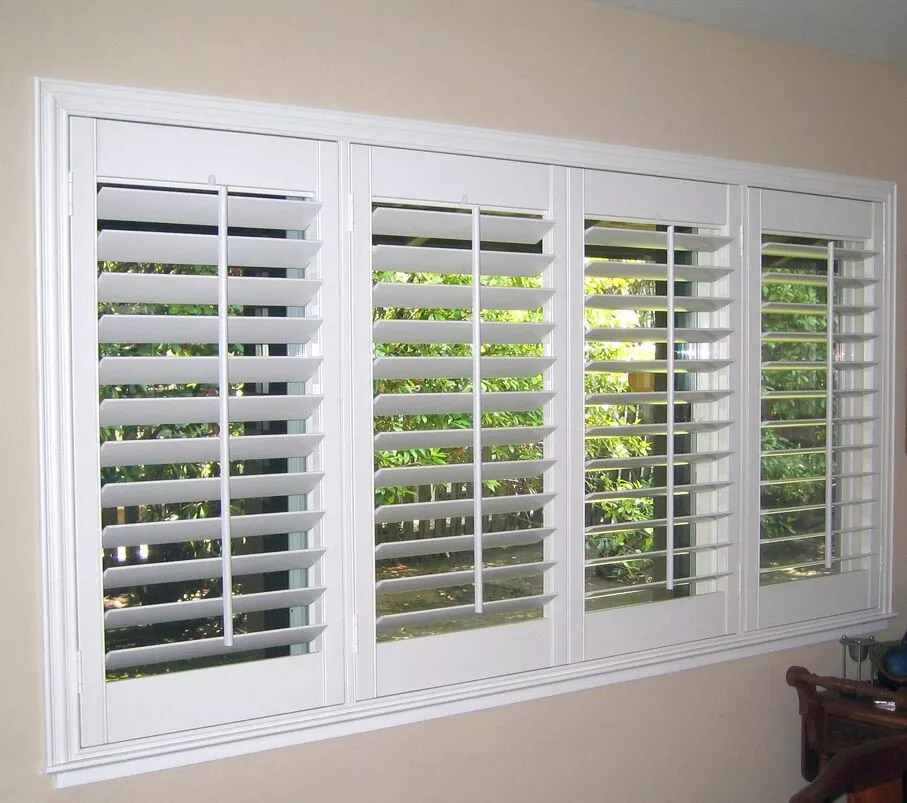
(342, 434)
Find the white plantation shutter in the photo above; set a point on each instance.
(462, 357)
(206, 429)
(504, 427)
(820, 448)
(659, 396)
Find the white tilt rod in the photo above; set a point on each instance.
(669, 446)
(477, 488)
(223, 417)
(829, 405)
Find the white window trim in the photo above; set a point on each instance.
(56, 102)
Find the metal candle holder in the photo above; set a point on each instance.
(857, 647)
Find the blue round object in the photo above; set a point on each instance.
(895, 663)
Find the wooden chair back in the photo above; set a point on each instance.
(870, 773)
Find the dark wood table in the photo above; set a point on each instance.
(837, 714)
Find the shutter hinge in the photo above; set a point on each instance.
(69, 194)
(742, 244)
(351, 212)
(79, 671)
(356, 632)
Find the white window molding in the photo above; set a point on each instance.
(711, 195)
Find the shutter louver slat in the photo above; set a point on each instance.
(655, 303)
(777, 365)
(635, 493)
(181, 370)
(607, 463)
(407, 331)
(620, 237)
(460, 613)
(201, 249)
(394, 550)
(150, 288)
(203, 329)
(808, 280)
(203, 609)
(183, 530)
(446, 438)
(428, 403)
(155, 492)
(209, 647)
(656, 366)
(611, 269)
(680, 397)
(655, 334)
(454, 508)
(457, 367)
(200, 450)
(202, 568)
(449, 579)
(794, 250)
(174, 410)
(445, 296)
(684, 428)
(784, 308)
(794, 452)
(812, 394)
(425, 475)
(200, 209)
(410, 222)
(406, 258)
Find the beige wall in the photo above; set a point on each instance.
(561, 67)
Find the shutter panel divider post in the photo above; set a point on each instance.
(478, 592)
(223, 310)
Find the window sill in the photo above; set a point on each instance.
(175, 750)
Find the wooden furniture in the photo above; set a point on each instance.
(868, 773)
(838, 716)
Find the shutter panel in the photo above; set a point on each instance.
(460, 380)
(658, 393)
(819, 407)
(209, 410)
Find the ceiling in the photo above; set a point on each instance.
(870, 29)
